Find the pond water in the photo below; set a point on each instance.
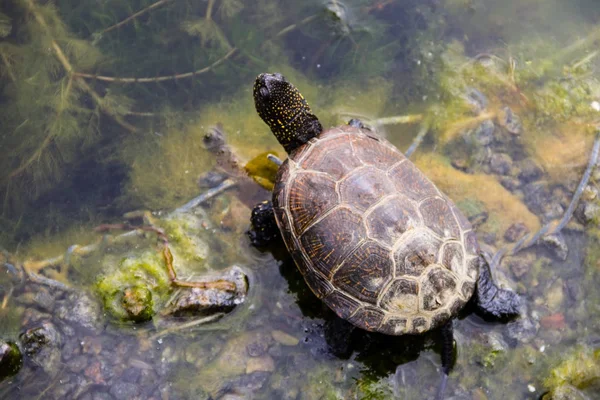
(117, 113)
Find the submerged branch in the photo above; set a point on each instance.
(294, 26)
(134, 16)
(158, 78)
(8, 68)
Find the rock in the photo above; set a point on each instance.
(484, 134)
(234, 361)
(476, 100)
(530, 170)
(515, 232)
(257, 348)
(82, 310)
(555, 295)
(510, 183)
(42, 345)
(590, 212)
(556, 244)
(246, 386)
(519, 267)
(539, 200)
(11, 359)
(501, 163)
(211, 179)
(199, 301)
(263, 363)
(553, 321)
(495, 349)
(522, 330)
(566, 392)
(510, 121)
(124, 390)
(284, 338)
(137, 303)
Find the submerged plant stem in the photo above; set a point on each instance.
(294, 26)
(11, 75)
(417, 140)
(134, 16)
(158, 78)
(69, 69)
(190, 324)
(397, 120)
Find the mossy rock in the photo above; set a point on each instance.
(136, 289)
(11, 359)
(580, 371)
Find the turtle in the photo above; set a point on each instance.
(373, 237)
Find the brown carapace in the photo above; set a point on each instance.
(373, 237)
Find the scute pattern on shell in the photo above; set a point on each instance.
(372, 235)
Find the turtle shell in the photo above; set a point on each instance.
(372, 236)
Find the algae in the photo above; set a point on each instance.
(143, 277)
(504, 207)
(580, 369)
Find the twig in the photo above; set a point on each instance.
(294, 26)
(226, 184)
(554, 227)
(401, 119)
(157, 78)
(134, 16)
(209, 9)
(42, 280)
(418, 139)
(6, 298)
(190, 324)
(8, 68)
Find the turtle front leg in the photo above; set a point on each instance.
(492, 300)
(263, 230)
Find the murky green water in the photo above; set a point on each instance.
(105, 111)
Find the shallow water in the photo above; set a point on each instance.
(82, 162)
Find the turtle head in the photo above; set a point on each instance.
(285, 110)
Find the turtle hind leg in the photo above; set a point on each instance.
(263, 230)
(492, 300)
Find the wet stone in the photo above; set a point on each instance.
(519, 267)
(11, 359)
(124, 390)
(82, 310)
(78, 364)
(500, 163)
(539, 200)
(42, 346)
(197, 301)
(510, 121)
(515, 232)
(510, 183)
(530, 170)
(589, 212)
(484, 134)
(247, 385)
(522, 330)
(257, 348)
(557, 245)
(476, 100)
(131, 375)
